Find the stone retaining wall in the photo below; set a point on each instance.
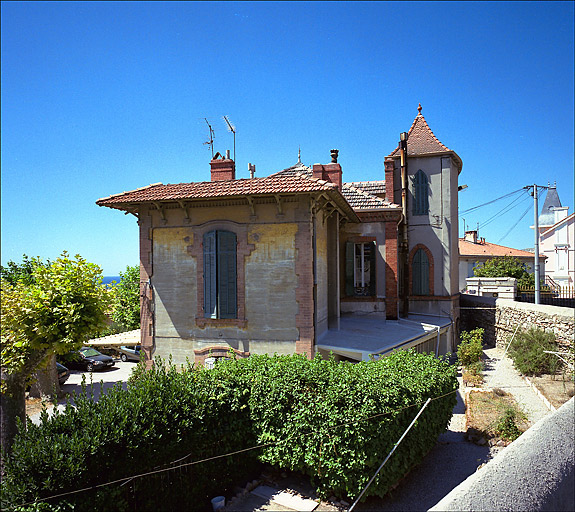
(500, 317)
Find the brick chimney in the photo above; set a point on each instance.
(329, 172)
(389, 167)
(471, 236)
(223, 168)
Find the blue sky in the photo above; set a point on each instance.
(99, 98)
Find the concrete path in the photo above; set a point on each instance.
(500, 373)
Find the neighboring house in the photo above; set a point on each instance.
(556, 240)
(474, 251)
(300, 262)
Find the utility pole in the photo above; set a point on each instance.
(537, 284)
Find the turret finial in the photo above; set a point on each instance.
(419, 109)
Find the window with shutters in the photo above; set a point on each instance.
(360, 269)
(420, 273)
(420, 194)
(220, 269)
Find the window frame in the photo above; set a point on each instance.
(351, 268)
(420, 193)
(429, 289)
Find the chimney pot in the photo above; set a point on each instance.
(227, 154)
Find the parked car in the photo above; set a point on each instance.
(63, 373)
(130, 353)
(88, 358)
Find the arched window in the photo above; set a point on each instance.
(220, 282)
(420, 194)
(420, 273)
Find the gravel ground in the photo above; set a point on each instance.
(500, 373)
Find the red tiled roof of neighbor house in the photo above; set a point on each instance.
(218, 189)
(422, 141)
(467, 248)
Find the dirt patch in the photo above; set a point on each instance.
(36, 405)
(555, 388)
(485, 418)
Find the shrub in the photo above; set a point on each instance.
(333, 421)
(506, 426)
(470, 348)
(527, 351)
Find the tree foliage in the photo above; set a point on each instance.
(14, 273)
(506, 266)
(126, 300)
(52, 311)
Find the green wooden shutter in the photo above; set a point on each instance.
(227, 281)
(349, 262)
(420, 194)
(420, 273)
(210, 276)
(372, 248)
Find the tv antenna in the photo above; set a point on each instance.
(232, 129)
(212, 136)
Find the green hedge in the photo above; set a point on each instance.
(318, 416)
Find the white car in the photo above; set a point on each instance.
(130, 353)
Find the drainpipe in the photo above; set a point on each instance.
(404, 240)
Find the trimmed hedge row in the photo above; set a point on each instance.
(334, 421)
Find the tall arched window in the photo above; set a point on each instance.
(220, 281)
(420, 273)
(420, 194)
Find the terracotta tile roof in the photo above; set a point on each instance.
(360, 200)
(467, 248)
(371, 187)
(359, 195)
(218, 189)
(422, 141)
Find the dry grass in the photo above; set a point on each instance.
(485, 409)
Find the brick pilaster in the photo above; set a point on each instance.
(391, 268)
(304, 290)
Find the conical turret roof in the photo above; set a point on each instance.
(547, 217)
(421, 141)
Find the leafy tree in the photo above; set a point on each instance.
(20, 272)
(63, 304)
(506, 266)
(126, 300)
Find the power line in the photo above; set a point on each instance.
(518, 200)
(490, 202)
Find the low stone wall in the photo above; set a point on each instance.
(500, 317)
(535, 472)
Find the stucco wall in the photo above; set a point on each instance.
(500, 317)
(269, 272)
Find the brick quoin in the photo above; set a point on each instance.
(146, 292)
(391, 257)
(304, 290)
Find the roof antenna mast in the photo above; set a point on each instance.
(212, 136)
(232, 129)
